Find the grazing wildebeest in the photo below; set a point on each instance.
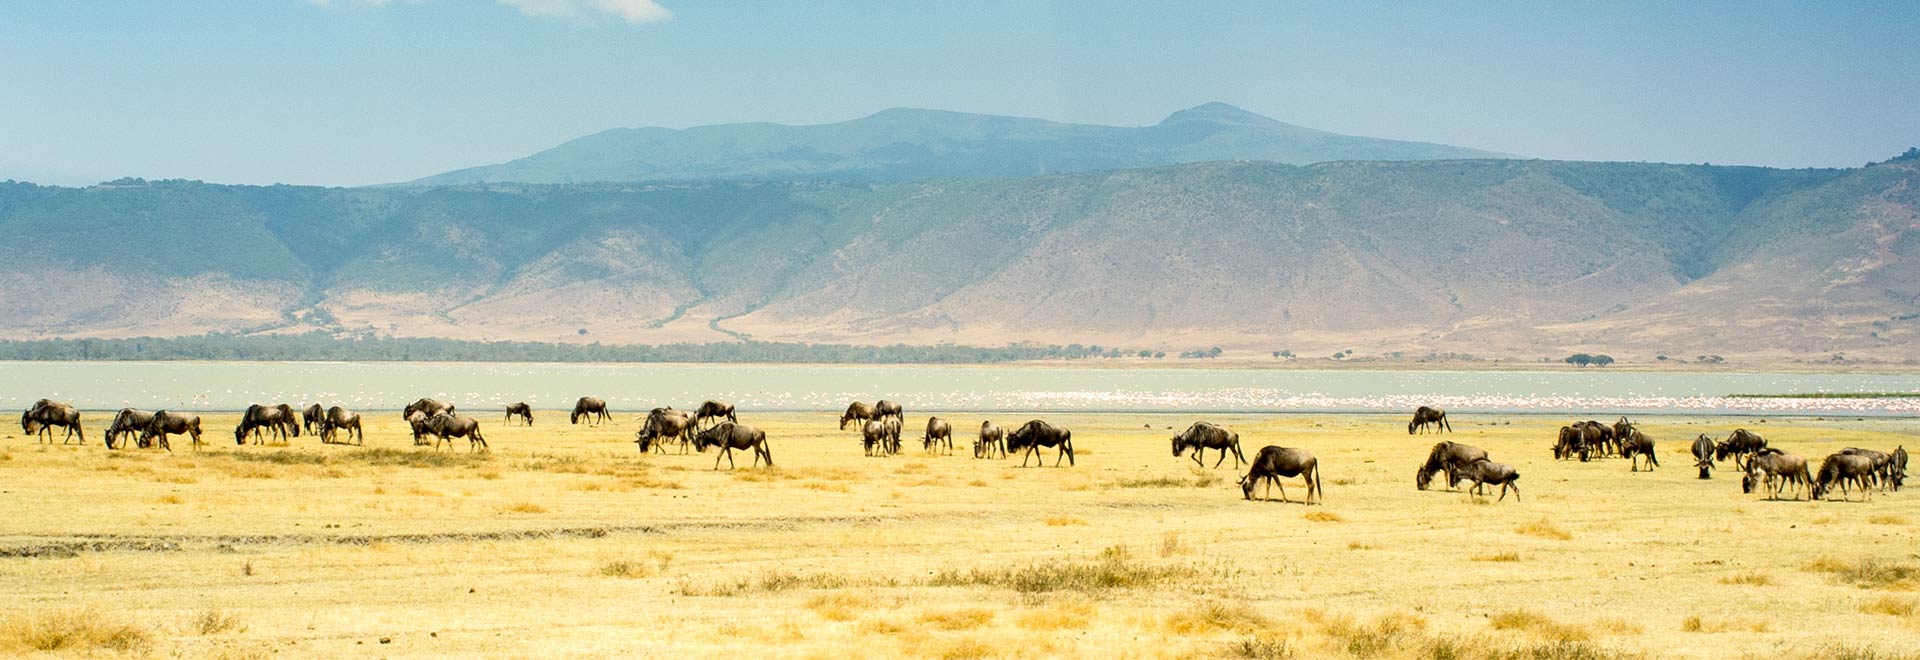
(1271, 463)
(447, 426)
(166, 423)
(1571, 441)
(430, 407)
(1202, 436)
(312, 417)
(729, 436)
(417, 420)
(1599, 439)
(1882, 465)
(662, 425)
(992, 438)
(1483, 472)
(856, 412)
(1703, 456)
(1899, 466)
(873, 437)
(128, 423)
(1447, 457)
(1637, 444)
(1842, 469)
(1036, 434)
(1425, 415)
(340, 418)
(1739, 444)
(938, 430)
(521, 410)
(592, 408)
(885, 408)
(1770, 464)
(714, 410)
(278, 420)
(46, 414)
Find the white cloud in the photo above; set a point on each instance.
(631, 11)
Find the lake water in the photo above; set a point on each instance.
(382, 386)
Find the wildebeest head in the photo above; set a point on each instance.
(1246, 488)
(240, 434)
(28, 424)
(1178, 446)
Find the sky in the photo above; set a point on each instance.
(356, 92)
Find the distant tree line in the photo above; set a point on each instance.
(328, 347)
(1583, 359)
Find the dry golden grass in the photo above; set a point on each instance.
(566, 542)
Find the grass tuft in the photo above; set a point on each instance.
(215, 621)
(839, 606)
(1867, 573)
(1545, 529)
(77, 631)
(1114, 569)
(1889, 606)
(1508, 556)
(1537, 624)
(1750, 578)
(1064, 521)
(1216, 616)
(1324, 516)
(525, 507)
(959, 619)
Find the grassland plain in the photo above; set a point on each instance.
(566, 542)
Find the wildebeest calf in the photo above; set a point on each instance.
(1483, 472)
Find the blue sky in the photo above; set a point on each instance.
(350, 92)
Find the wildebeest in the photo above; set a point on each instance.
(1271, 463)
(1482, 472)
(312, 417)
(1447, 457)
(1202, 436)
(938, 430)
(1036, 434)
(714, 410)
(339, 418)
(278, 419)
(1703, 455)
(1882, 465)
(885, 408)
(992, 438)
(1425, 415)
(662, 425)
(873, 437)
(1738, 445)
(127, 423)
(1597, 438)
(1842, 469)
(417, 420)
(1899, 466)
(166, 423)
(729, 436)
(429, 407)
(447, 426)
(592, 408)
(1568, 444)
(1771, 464)
(857, 411)
(1635, 445)
(521, 410)
(46, 414)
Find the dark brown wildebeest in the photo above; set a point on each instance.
(856, 412)
(938, 430)
(1842, 469)
(279, 420)
(1271, 463)
(663, 425)
(340, 418)
(1882, 465)
(1600, 439)
(521, 410)
(992, 438)
(591, 408)
(1703, 455)
(1636, 445)
(885, 408)
(447, 426)
(46, 414)
(166, 423)
(1036, 434)
(1425, 415)
(1568, 444)
(729, 436)
(429, 407)
(312, 417)
(873, 437)
(714, 410)
(1738, 445)
(1483, 472)
(1899, 466)
(128, 423)
(417, 420)
(1771, 464)
(1202, 436)
(1447, 457)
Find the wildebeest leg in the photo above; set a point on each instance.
(1029, 455)
(1223, 459)
(1516, 491)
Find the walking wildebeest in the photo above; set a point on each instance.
(1425, 415)
(1703, 456)
(885, 408)
(1637, 444)
(1739, 444)
(729, 436)
(521, 410)
(340, 418)
(312, 417)
(856, 412)
(1770, 464)
(1202, 436)
(938, 430)
(166, 423)
(1036, 434)
(128, 423)
(662, 425)
(429, 407)
(714, 410)
(873, 437)
(1842, 469)
(992, 438)
(1483, 472)
(1447, 457)
(46, 414)
(447, 426)
(1271, 463)
(593, 408)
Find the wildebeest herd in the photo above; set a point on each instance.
(715, 425)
